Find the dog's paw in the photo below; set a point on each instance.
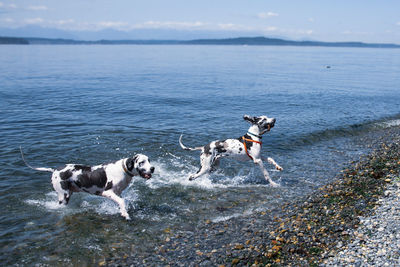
(191, 178)
(126, 216)
(279, 168)
(273, 184)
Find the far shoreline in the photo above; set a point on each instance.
(240, 41)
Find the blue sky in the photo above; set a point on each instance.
(339, 20)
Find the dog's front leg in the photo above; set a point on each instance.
(265, 172)
(111, 195)
(272, 161)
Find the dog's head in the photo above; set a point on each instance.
(263, 123)
(141, 164)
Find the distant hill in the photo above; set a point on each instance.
(46, 41)
(282, 42)
(13, 40)
(259, 41)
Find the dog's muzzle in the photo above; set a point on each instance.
(146, 175)
(270, 125)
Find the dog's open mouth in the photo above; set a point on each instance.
(145, 175)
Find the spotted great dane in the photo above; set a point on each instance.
(243, 148)
(107, 180)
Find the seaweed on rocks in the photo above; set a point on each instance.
(319, 225)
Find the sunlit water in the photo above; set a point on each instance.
(95, 104)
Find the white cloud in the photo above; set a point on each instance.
(63, 21)
(7, 20)
(37, 8)
(266, 15)
(169, 25)
(348, 32)
(227, 26)
(12, 6)
(271, 29)
(71, 24)
(1, 4)
(300, 32)
(196, 25)
(288, 32)
(311, 19)
(112, 24)
(34, 21)
(398, 23)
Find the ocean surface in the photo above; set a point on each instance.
(94, 104)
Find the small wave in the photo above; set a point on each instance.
(235, 215)
(342, 131)
(390, 123)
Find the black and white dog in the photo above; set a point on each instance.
(108, 180)
(243, 148)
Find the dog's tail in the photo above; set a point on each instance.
(33, 168)
(188, 148)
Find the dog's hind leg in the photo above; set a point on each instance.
(206, 161)
(63, 197)
(111, 195)
(215, 164)
(63, 192)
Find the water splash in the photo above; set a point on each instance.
(175, 170)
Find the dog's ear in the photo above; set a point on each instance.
(130, 163)
(249, 118)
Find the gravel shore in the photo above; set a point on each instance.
(377, 239)
(353, 220)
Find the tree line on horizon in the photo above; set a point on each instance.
(229, 41)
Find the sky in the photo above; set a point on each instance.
(323, 20)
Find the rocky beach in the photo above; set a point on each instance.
(354, 220)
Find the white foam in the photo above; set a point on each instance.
(107, 207)
(49, 203)
(173, 170)
(235, 215)
(388, 124)
(81, 202)
(391, 123)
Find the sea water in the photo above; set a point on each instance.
(92, 104)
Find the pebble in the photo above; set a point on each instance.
(382, 247)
